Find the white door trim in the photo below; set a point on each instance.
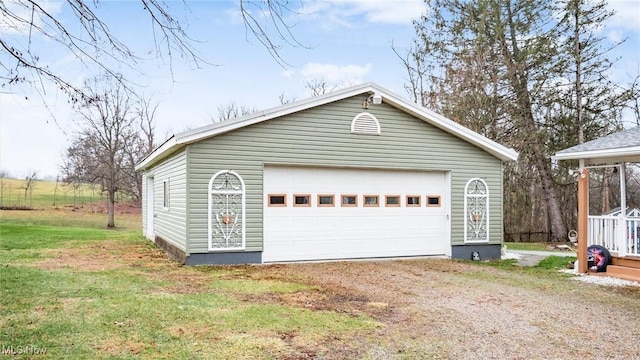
(150, 209)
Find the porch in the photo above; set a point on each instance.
(618, 232)
(621, 236)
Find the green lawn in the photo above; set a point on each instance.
(527, 246)
(51, 194)
(78, 290)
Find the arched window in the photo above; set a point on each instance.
(226, 211)
(476, 211)
(365, 123)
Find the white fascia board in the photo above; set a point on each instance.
(599, 154)
(501, 152)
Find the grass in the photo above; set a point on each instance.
(78, 290)
(527, 246)
(45, 194)
(127, 300)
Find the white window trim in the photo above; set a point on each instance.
(209, 222)
(466, 197)
(166, 194)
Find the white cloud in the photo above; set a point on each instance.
(335, 74)
(627, 14)
(21, 11)
(348, 12)
(615, 36)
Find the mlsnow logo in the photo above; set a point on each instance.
(22, 350)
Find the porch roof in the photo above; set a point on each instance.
(620, 147)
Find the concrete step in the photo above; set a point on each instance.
(623, 272)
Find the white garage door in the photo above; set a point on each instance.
(320, 214)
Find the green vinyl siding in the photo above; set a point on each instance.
(321, 136)
(170, 222)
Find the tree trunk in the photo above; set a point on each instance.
(578, 73)
(518, 79)
(111, 209)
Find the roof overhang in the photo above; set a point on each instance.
(620, 147)
(609, 156)
(178, 141)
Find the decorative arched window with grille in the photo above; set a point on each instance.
(226, 211)
(365, 123)
(476, 211)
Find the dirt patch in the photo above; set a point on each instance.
(118, 347)
(121, 207)
(105, 255)
(438, 309)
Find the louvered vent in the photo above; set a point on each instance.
(365, 123)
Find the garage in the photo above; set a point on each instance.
(357, 173)
(314, 213)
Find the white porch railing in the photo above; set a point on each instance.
(607, 232)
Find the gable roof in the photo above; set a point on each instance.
(180, 140)
(622, 146)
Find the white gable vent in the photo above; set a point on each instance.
(365, 123)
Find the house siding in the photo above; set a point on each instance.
(321, 136)
(170, 223)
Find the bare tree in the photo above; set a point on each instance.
(319, 86)
(634, 104)
(231, 111)
(137, 146)
(98, 153)
(29, 183)
(86, 36)
(285, 100)
(146, 112)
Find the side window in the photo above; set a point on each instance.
(413, 200)
(277, 200)
(349, 201)
(392, 201)
(165, 194)
(370, 200)
(302, 200)
(326, 200)
(433, 200)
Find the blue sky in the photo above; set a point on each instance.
(346, 42)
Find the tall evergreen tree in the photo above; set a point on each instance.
(531, 74)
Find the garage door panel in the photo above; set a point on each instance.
(315, 233)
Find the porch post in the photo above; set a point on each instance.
(621, 234)
(583, 218)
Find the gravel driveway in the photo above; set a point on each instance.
(436, 308)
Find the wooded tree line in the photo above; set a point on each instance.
(532, 75)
